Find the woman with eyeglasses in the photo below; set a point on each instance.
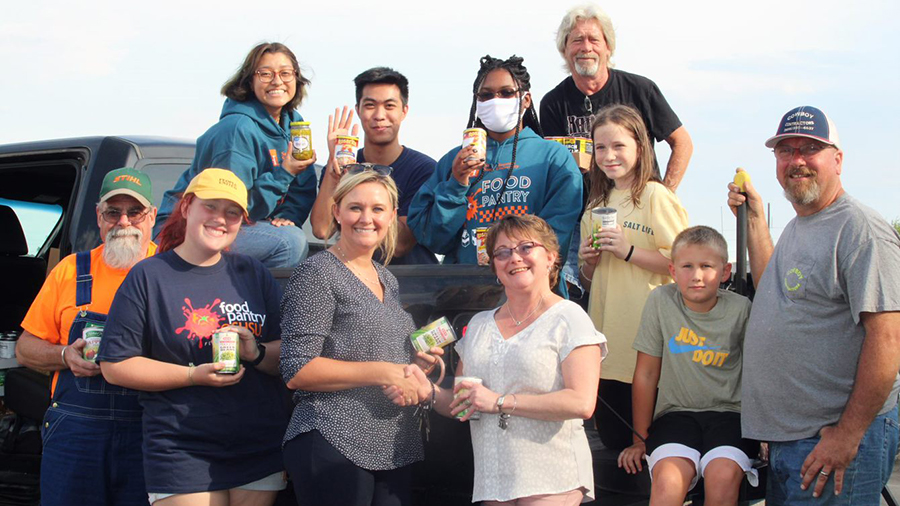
(346, 338)
(521, 173)
(538, 357)
(252, 139)
(209, 437)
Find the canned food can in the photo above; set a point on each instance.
(225, 350)
(465, 391)
(475, 137)
(7, 347)
(301, 140)
(437, 333)
(345, 149)
(575, 144)
(92, 335)
(481, 245)
(602, 217)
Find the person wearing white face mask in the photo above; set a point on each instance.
(521, 172)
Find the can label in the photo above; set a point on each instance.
(481, 245)
(602, 217)
(574, 144)
(7, 348)
(301, 140)
(92, 335)
(225, 350)
(345, 149)
(437, 333)
(475, 137)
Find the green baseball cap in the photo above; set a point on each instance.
(127, 181)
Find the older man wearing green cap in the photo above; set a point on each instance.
(92, 430)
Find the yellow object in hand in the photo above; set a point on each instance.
(740, 179)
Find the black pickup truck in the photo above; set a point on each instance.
(52, 188)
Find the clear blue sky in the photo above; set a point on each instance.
(730, 70)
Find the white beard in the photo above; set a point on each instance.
(589, 70)
(123, 248)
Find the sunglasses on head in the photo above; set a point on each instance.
(356, 168)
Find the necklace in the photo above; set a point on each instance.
(519, 322)
(348, 264)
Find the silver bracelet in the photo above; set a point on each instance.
(62, 355)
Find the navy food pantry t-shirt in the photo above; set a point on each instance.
(201, 438)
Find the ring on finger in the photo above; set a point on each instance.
(824, 473)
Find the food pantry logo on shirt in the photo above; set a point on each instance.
(486, 205)
(201, 323)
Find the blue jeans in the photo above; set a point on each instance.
(863, 479)
(276, 247)
(91, 457)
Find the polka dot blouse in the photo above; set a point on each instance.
(328, 312)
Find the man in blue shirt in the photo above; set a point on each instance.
(382, 102)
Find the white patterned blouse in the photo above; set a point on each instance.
(531, 456)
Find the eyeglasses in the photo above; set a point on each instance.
(267, 76)
(785, 153)
(134, 215)
(381, 170)
(484, 96)
(523, 249)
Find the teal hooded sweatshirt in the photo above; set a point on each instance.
(445, 215)
(247, 141)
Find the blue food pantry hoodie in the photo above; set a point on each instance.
(247, 141)
(545, 182)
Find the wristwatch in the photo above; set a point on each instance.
(500, 402)
(261, 356)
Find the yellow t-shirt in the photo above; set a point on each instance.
(51, 314)
(619, 289)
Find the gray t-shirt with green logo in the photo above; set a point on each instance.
(701, 352)
(805, 335)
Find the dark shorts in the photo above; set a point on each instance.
(701, 430)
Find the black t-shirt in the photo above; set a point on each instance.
(564, 112)
(201, 438)
(411, 169)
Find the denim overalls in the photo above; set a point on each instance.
(92, 429)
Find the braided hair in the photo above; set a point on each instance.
(520, 75)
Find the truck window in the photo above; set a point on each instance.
(37, 220)
(163, 176)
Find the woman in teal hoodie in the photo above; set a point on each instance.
(521, 173)
(252, 139)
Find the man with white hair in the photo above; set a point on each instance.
(92, 429)
(822, 347)
(586, 40)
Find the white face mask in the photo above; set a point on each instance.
(499, 114)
